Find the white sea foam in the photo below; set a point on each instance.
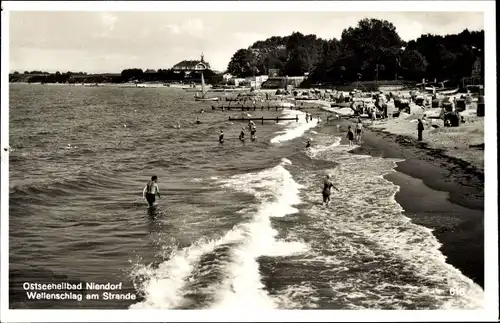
(293, 129)
(277, 191)
(314, 150)
(297, 297)
(162, 286)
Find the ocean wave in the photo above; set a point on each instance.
(293, 129)
(51, 188)
(224, 273)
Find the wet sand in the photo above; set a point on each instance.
(439, 192)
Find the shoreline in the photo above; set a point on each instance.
(442, 193)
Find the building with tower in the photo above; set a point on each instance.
(188, 66)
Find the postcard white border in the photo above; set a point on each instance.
(490, 311)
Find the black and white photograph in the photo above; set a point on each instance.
(238, 160)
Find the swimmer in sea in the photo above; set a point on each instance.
(350, 136)
(327, 185)
(242, 134)
(221, 137)
(198, 120)
(151, 190)
(308, 143)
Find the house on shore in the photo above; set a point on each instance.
(189, 66)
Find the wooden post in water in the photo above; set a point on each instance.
(277, 119)
(262, 120)
(297, 118)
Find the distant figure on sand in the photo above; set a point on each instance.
(242, 134)
(359, 131)
(327, 185)
(221, 137)
(151, 190)
(420, 129)
(350, 136)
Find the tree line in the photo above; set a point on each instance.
(127, 75)
(372, 50)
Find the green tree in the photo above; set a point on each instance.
(413, 65)
(242, 63)
(372, 42)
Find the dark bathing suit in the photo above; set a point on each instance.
(326, 190)
(350, 135)
(151, 198)
(221, 138)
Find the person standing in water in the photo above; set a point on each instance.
(308, 143)
(350, 136)
(359, 131)
(420, 129)
(327, 185)
(198, 120)
(252, 131)
(242, 134)
(221, 137)
(151, 190)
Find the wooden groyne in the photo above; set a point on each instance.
(261, 108)
(262, 119)
(248, 108)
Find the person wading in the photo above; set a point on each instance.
(327, 185)
(350, 135)
(221, 137)
(359, 131)
(151, 190)
(420, 129)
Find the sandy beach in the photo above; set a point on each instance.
(463, 142)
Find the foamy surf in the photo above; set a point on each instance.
(173, 283)
(293, 129)
(375, 252)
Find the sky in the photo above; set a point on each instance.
(108, 42)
